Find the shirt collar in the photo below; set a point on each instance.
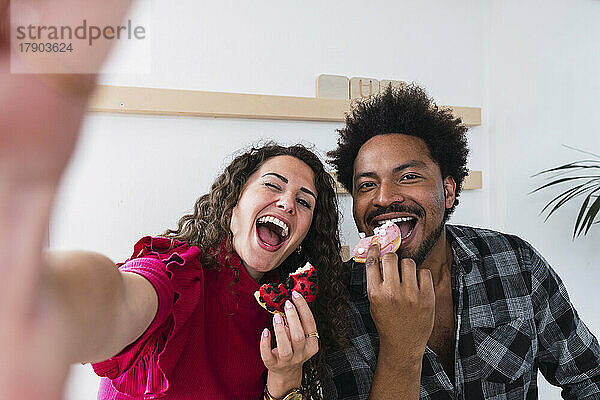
(464, 250)
(245, 282)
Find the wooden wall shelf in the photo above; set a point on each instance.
(473, 181)
(152, 101)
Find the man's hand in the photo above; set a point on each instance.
(402, 305)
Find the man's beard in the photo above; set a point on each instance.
(425, 247)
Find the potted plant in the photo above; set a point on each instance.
(579, 179)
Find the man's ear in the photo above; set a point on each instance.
(449, 191)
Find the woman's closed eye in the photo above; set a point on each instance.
(303, 202)
(272, 185)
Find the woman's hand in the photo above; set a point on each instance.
(40, 115)
(294, 348)
(38, 129)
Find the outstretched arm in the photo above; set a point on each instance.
(104, 309)
(40, 117)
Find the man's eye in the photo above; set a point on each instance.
(409, 177)
(304, 203)
(365, 185)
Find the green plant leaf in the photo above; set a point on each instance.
(566, 172)
(590, 214)
(578, 178)
(573, 192)
(582, 151)
(568, 195)
(572, 165)
(581, 212)
(590, 185)
(556, 182)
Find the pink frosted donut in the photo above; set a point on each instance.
(388, 236)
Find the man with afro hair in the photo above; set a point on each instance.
(458, 312)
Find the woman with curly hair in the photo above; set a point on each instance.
(179, 317)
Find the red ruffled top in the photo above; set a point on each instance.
(204, 339)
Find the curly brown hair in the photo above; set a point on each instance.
(209, 224)
(409, 111)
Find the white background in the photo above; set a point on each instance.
(532, 66)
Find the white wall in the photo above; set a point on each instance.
(530, 67)
(543, 92)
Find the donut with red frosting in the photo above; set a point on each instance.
(272, 296)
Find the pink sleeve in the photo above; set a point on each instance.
(137, 371)
(155, 272)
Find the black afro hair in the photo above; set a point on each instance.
(407, 110)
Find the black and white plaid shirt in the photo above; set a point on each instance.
(512, 317)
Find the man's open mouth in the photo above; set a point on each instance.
(272, 231)
(406, 225)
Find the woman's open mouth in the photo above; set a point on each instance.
(271, 232)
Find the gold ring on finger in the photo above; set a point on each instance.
(312, 334)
